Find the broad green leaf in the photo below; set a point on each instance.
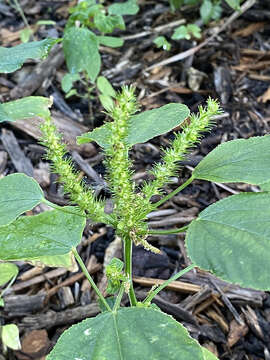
(206, 10)
(129, 334)
(143, 126)
(208, 355)
(18, 194)
(105, 87)
(49, 233)
(66, 261)
(129, 7)
(235, 4)
(7, 272)
(25, 108)
(110, 41)
(237, 161)
(231, 238)
(80, 47)
(67, 81)
(13, 58)
(10, 336)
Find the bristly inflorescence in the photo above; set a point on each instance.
(182, 143)
(119, 168)
(79, 194)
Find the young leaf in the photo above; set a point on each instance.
(237, 161)
(106, 101)
(235, 4)
(110, 41)
(206, 10)
(49, 233)
(67, 81)
(14, 57)
(25, 108)
(10, 336)
(230, 236)
(161, 41)
(80, 47)
(105, 87)
(18, 194)
(119, 340)
(144, 126)
(129, 7)
(7, 272)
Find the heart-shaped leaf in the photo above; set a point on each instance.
(49, 233)
(7, 272)
(231, 238)
(237, 161)
(13, 58)
(128, 334)
(25, 108)
(18, 194)
(143, 126)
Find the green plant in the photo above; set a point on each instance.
(81, 44)
(209, 9)
(228, 238)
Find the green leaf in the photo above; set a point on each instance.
(7, 272)
(206, 10)
(11, 59)
(50, 233)
(80, 47)
(161, 41)
(235, 4)
(176, 4)
(105, 87)
(25, 35)
(67, 81)
(231, 238)
(129, 334)
(18, 194)
(181, 32)
(103, 23)
(129, 7)
(10, 336)
(106, 101)
(25, 108)
(110, 41)
(143, 126)
(45, 22)
(237, 161)
(208, 355)
(2, 303)
(66, 261)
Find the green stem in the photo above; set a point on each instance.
(166, 232)
(153, 293)
(9, 285)
(119, 298)
(128, 270)
(89, 278)
(171, 194)
(62, 208)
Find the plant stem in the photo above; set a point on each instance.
(128, 270)
(171, 194)
(61, 208)
(166, 232)
(89, 278)
(153, 293)
(119, 297)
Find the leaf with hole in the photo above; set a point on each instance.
(49, 233)
(128, 334)
(25, 108)
(229, 237)
(143, 126)
(237, 161)
(13, 58)
(18, 194)
(7, 272)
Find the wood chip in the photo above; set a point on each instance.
(178, 286)
(34, 345)
(236, 332)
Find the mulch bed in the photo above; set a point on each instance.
(233, 66)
